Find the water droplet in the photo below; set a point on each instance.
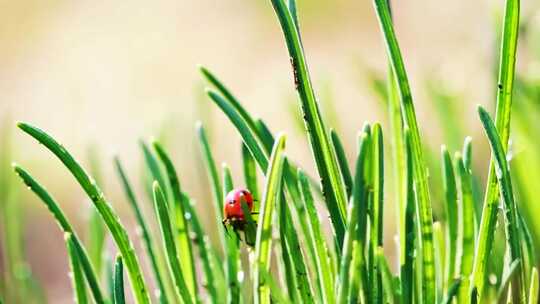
(492, 279)
(157, 293)
(138, 231)
(240, 276)
(70, 275)
(187, 216)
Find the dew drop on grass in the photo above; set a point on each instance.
(157, 293)
(70, 275)
(492, 279)
(187, 216)
(138, 231)
(240, 276)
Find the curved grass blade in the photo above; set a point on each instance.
(145, 232)
(451, 210)
(323, 151)
(264, 230)
(153, 168)
(215, 182)
(316, 235)
(182, 230)
(424, 208)
(250, 172)
(66, 227)
(169, 245)
(466, 229)
(76, 274)
(266, 137)
(529, 252)
(507, 64)
(452, 292)
(510, 209)
(119, 297)
(343, 163)
(96, 227)
(533, 289)
(109, 216)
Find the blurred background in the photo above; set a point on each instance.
(102, 75)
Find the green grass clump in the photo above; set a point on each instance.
(447, 247)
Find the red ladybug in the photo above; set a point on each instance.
(232, 209)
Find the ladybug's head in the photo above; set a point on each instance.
(232, 208)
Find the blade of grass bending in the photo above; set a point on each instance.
(510, 207)
(214, 275)
(323, 151)
(169, 245)
(96, 227)
(182, 230)
(467, 162)
(533, 289)
(77, 279)
(504, 103)
(247, 136)
(376, 210)
(66, 227)
(343, 163)
(154, 169)
(353, 221)
(215, 182)
(424, 208)
(119, 297)
(95, 194)
(466, 229)
(451, 212)
(266, 137)
(234, 265)
(452, 292)
(145, 233)
(264, 230)
(316, 235)
(250, 173)
(386, 277)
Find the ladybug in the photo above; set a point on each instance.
(233, 214)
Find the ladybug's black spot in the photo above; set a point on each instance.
(231, 202)
(244, 192)
(500, 86)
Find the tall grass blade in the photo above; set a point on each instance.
(66, 227)
(343, 163)
(510, 208)
(169, 245)
(180, 222)
(451, 212)
(145, 232)
(533, 289)
(424, 208)
(452, 292)
(264, 230)
(324, 153)
(277, 293)
(386, 277)
(96, 227)
(76, 274)
(323, 267)
(250, 172)
(407, 270)
(119, 297)
(507, 64)
(109, 216)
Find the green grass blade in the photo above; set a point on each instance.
(407, 267)
(452, 292)
(386, 277)
(145, 232)
(376, 211)
(182, 230)
(169, 244)
(343, 163)
(264, 230)
(250, 172)
(510, 208)
(358, 275)
(466, 229)
(249, 138)
(215, 182)
(324, 153)
(277, 294)
(316, 235)
(153, 167)
(506, 279)
(76, 273)
(533, 289)
(214, 276)
(451, 211)
(504, 103)
(96, 235)
(66, 227)
(265, 135)
(424, 208)
(119, 297)
(110, 218)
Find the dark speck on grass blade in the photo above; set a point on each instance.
(66, 227)
(263, 242)
(110, 218)
(119, 297)
(324, 153)
(76, 272)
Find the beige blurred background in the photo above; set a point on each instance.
(104, 74)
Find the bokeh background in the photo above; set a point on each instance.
(102, 75)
